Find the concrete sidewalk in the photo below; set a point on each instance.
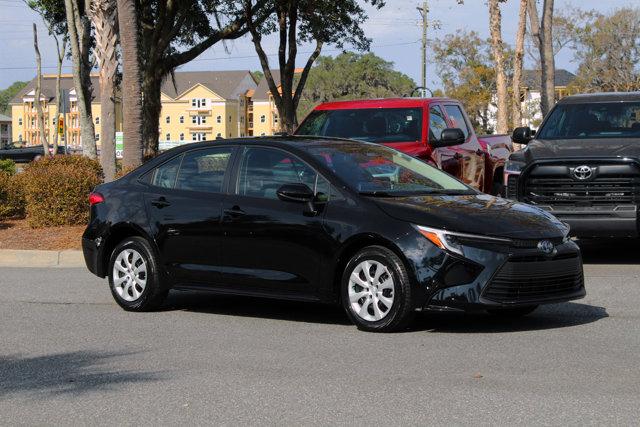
(33, 258)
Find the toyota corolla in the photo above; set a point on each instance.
(325, 220)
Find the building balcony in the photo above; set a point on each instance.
(199, 112)
(204, 126)
(197, 109)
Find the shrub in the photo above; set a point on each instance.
(56, 190)
(12, 202)
(8, 166)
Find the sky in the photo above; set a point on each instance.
(394, 30)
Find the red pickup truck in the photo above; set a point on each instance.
(436, 130)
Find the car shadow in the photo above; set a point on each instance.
(552, 316)
(545, 317)
(231, 305)
(71, 373)
(610, 251)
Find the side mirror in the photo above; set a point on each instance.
(449, 137)
(522, 135)
(300, 193)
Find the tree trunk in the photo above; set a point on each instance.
(131, 87)
(516, 108)
(547, 61)
(497, 49)
(151, 87)
(103, 15)
(42, 136)
(79, 37)
(58, 97)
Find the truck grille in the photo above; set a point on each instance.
(545, 187)
(535, 279)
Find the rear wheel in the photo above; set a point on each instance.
(134, 276)
(376, 292)
(512, 312)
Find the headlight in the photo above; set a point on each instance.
(512, 166)
(450, 240)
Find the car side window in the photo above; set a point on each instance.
(457, 117)
(264, 170)
(204, 170)
(165, 174)
(437, 123)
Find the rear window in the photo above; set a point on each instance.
(381, 125)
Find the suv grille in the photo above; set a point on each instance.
(534, 279)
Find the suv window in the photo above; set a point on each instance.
(264, 170)
(457, 117)
(204, 170)
(437, 123)
(165, 174)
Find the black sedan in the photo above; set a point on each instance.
(325, 220)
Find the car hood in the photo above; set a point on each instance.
(475, 214)
(581, 148)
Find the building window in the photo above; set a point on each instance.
(263, 118)
(19, 121)
(198, 120)
(168, 137)
(241, 134)
(182, 137)
(193, 102)
(97, 137)
(262, 134)
(97, 120)
(19, 137)
(219, 119)
(275, 118)
(167, 119)
(229, 119)
(181, 119)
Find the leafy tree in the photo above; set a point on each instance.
(352, 76)
(7, 94)
(322, 22)
(257, 75)
(464, 63)
(608, 51)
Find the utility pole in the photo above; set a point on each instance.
(424, 10)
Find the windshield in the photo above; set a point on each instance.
(381, 171)
(597, 120)
(371, 125)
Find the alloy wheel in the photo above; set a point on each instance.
(371, 290)
(129, 275)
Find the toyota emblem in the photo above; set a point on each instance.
(546, 246)
(583, 172)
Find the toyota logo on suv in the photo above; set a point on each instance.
(583, 172)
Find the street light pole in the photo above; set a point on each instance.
(424, 10)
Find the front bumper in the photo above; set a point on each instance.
(507, 278)
(598, 221)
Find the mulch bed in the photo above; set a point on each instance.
(16, 234)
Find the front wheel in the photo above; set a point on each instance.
(134, 276)
(376, 291)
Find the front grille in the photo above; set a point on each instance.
(553, 191)
(535, 279)
(512, 186)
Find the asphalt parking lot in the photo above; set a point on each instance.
(69, 355)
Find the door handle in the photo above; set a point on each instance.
(234, 212)
(160, 203)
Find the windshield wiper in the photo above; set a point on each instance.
(379, 194)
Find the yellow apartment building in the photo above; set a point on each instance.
(24, 117)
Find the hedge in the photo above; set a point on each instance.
(12, 201)
(57, 189)
(8, 166)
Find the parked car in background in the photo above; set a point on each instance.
(319, 219)
(24, 154)
(583, 165)
(435, 130)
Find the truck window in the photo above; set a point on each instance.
(457, 117)
(381, 125)
(437, 123)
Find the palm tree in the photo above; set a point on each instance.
(131, 92)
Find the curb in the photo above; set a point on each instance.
(39, 259)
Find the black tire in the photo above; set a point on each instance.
(154, 292)
(512, 312)
(401, 312)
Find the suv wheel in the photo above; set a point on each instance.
(376, 292)
(133, 276)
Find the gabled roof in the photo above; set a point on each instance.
(262, 91)
(531, 78)
(227, 84)
(4, 118)
(48, 88)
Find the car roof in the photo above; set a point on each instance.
(586, 98)
(381, 103)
